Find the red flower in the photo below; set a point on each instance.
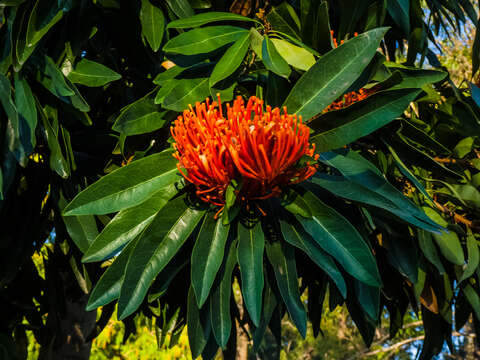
(259, 150)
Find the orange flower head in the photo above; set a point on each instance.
(259, 150)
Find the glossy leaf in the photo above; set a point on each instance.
(341, 240)
(332, 74)
(231, 60)
(251, 244)
(448, 242)
(298, 237)
(91, 73)
(127, 225)
(294, 55)
(282, 258)
(427, 245)
(197, 336)
(220, 299)
(153, 24)
(181, 8)
(203, 40)
(206, 18)
(27, 113)
(108, 287)
(82, 229)
(186, 92)
(207, 256)
(399, 10)
(155, 248)
(126, 187)
(473, 257)
(140, 117)
(337, 128)
(273, 60)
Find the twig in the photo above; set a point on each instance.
(395, 346)
(457, 218)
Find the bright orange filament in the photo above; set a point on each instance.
(260, 150)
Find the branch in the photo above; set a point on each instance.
(395, 346)
(457, 218)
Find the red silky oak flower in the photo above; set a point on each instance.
(259, 150)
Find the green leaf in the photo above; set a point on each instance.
(284, 19)
(127, 225)
(57, 161)
(220, 299)
(298, 237)
(464, 147)
(52, 79)
(205, 18)
(357, 169)
(109, 285)
(448, 242)
(269, 305)
(251, 244)
(333, 74)
(27, 113)
(473, 257)
(273, 60)
(429, 250)
(338, 128)
(369, 299)
(90, 73)
(399, 10)
(153, 24)
(282, 258)
(207, 256)
(296, 56)
(203, 40)
(140, 117)
(82, 229)
(337, 236)
(473, 299)
(295, 204)
(127, 186)
(42, 17)
(197, 336)
(155, 248)
(181, 8)
(231, 60)
(186, 92)
(413, 77)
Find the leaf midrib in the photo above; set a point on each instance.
(204, 40)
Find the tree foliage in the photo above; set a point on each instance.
(89, 91)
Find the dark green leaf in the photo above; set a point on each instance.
(207, 256)
(231, 60)
(298, 237)
(27, 113)
(273, 60)
(109, 285)
(155, 248)
(282, 257)
(341, 240)
(127, 225)
(369, 299)
(360, 119)
(333, 74)
(473, 299)
(429, 250)
(251, 244)
(473, 257)
(284, 19)
(82, 229)
(181, 8)
(220, 299)
(399, 10)
(127, 186)
(197, 336)
(448, 242)
(186, 92)
(140, 117)
(42, 18)
(153, 24)
(203, 40)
